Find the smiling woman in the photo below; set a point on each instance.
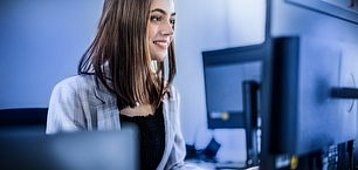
(161, 28)
(118, 83)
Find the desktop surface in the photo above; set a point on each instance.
(220, 165)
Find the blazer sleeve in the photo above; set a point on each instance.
(65, 111)
(178, 152)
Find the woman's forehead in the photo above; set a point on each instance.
(166, 5)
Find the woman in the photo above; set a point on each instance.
(122, 79)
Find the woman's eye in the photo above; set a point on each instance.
(155, 18)
(172, 21)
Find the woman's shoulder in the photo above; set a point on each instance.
(76, 81)
(173, 92)
(75, 84)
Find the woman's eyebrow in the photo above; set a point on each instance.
(162, 11)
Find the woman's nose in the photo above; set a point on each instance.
(167, 28)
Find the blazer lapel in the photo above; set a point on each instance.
(107, 110)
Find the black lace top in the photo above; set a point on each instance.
(152, 137)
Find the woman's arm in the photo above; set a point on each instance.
(177, 155)
(65, 108)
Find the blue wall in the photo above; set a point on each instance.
(41, 43)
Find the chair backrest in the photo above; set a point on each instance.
(23, 117)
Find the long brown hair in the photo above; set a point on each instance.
(119, 55)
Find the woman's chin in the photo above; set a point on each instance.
(159, 58)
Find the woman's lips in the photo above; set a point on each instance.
(161, 43)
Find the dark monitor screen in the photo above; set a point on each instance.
(224, 72)
(313, 51)
(305, 114)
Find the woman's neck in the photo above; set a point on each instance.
(141, 110)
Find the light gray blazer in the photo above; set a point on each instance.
(78, 104)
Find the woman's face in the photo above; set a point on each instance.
(160, 28)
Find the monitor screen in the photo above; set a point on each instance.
(225, 71)
(312, 51)
(305, 116)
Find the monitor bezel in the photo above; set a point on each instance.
(327, 8)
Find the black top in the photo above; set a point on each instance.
(152, 137)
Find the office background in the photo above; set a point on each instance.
(42, 41)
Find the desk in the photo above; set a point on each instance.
(219, 166)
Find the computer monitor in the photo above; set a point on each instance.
(310, 67)
(225, 71)
(307, 113)
(105, 150)
(232, 85)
